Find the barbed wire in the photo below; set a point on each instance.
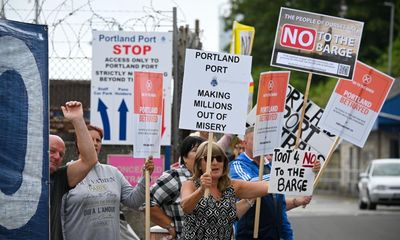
(71, 23)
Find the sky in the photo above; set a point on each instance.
(207, 11)
(71, 23)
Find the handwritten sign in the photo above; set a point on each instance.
(313, 138)
(291, 171)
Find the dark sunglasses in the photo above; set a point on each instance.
(219, 158)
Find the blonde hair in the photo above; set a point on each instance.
(224, 181)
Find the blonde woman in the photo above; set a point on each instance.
(212, 217)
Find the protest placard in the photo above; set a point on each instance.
(147, 117)
(242, 44)
(316, 43)
(242, 38)
(291, 171)
(313, 137)
(270, 108)
(116, 56)
(214, 86)
(355, 105)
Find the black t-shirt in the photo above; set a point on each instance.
(58, 187)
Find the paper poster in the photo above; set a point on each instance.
(116, 56)
(214, 86)
(316, 43)
(313, 137)
(355, 105)
(270, 110)
(147, 115)
(131, 167)
(291, 172)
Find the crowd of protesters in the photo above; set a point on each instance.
(86, 196)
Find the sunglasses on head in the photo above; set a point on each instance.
(219, 158)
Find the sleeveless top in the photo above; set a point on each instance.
(212, 219)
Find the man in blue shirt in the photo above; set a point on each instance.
(274, 224)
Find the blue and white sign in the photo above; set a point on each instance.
(24, 160)
(116, 56)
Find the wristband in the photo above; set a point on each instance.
(251, 203)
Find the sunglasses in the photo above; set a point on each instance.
(219, 158)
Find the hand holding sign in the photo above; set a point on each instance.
(292, 172)
(213, 86)
(148, 165)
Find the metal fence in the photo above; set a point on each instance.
(71, 22)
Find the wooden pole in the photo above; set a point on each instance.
(209, 155)
(328, 158)
(303, 110)
(258, 201)
(147, 200)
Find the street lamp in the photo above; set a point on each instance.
(391, 5)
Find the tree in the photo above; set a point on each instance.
(263, 15)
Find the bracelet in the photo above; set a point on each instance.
(251, 203)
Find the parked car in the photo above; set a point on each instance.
(380, 184)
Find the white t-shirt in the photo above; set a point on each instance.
(91, 209)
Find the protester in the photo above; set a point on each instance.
(273, 222)
(238, 148)
(212, 217)
(126, 232)
(166, 210)
(64, 178)
(92, 209)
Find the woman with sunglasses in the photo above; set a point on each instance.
(212, 217)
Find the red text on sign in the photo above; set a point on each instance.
(131, 49)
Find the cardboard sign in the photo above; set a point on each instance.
(270, 108)
(316, 43)
(291, 171)
(312, 137)
(242, 44)
(355, 105)
(131, 167)
(116, 56)
(242, 38)
(214, 86)
(147, 117)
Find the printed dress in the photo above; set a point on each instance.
(212, 219)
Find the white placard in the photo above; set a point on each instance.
(214, 88)
(291, 171)
(116, 55)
